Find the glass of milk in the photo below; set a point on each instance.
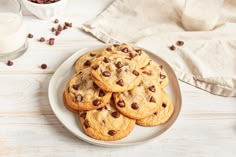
(201, 15)
(13, 41)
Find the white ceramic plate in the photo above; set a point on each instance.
(71, 121)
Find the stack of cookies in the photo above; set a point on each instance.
(115, 88)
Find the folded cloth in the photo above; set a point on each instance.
(207, 59)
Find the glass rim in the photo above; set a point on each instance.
(19, 7)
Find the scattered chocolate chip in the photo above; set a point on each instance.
(115, 114)
(152, 99)
(87, 63)
(70, 25)
(9, 63)
(53, 29)
(180, 43)
(57, 33)
(172, 47)
(162, 76)
(51, 41)
(83, 115)
(119, 64)
(125, 50)
(96, 102)
(79, 98)
(112, 132)
(164, 105)
(120, 82)
(86, 124)
(135, 73)
(106, 60)
(152, 88)
(59, 28)
(101, 93)
(95, 66)
(146, 72)
(118, 70)
(121, 103)
(56, 21)
(44, 66)
(108, 49)
(134, 106)
(106, 73)
(64, 27)
(30, 35)
(42, 39)
(92, 54)
(67, 23)
(76, 86)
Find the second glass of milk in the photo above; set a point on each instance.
(201, 15)
(13, 41)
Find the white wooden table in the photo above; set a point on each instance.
(206, 125)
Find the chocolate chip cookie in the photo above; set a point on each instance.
(135, 53)
(82, 93)
(106, 123)
(141, 101)
(162, 114)
(156, 72)
(86, 60)
(115, 73)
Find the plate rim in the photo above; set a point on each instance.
(99, 142)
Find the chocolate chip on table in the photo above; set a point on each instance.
(9, 63)
(134, 106)
(135, 73)
(56, 21)
(180, 43)
(44, 66)
(57, 33)
(59, 28)
(83, 115)
(87, 63)
(68, 24)
(64, 27)
(120, 82)
(152, 88)
(96, 102)
(121, 103)
(119, 65)
(162, 76)
(42, 39)
(79, 98)
(53, 29)
(95, 66)
(172, 47)
(51, 41)
(115, 114)
(101, 93)
(30, 35)
(106, 60)
(164, 105)
(76, 86)
(112, 132)
(152, 99)
(86, 124)
(106, 73)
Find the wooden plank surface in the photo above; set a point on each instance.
(206, 126)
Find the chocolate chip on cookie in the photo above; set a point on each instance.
(119, 65)
(95, 66)
(125, 50)
(86, 124)
(120, 82)
(101, 93)
(106, 60)
(76, 86)
(162, 76)
(96, 102)
(152, 99)
(115, 114)
(164, 105)
(79, 98)
(112, 132)
(83, 115)
(152, 88)
(121, 103)
(87, 63)
(134, 106)
(106, 73)
(135, 73)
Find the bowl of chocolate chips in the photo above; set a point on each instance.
(45, 9)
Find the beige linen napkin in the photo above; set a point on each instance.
(207, 60)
